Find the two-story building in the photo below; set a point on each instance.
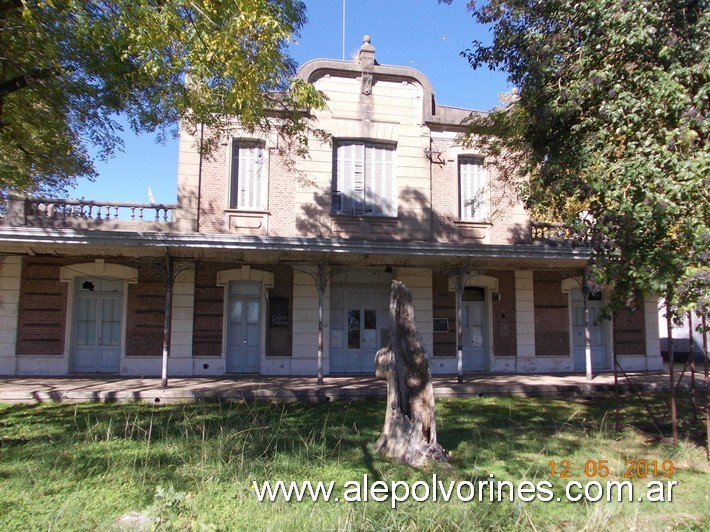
(393, 196)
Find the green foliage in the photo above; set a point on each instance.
(191, 466)
(68, 67)
(611, 127)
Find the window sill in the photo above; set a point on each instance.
(482, 223)
(363, 226)
(247, 212)
(247, 222)
(473, 231)
(364, 217)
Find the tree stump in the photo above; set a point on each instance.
(409, 433)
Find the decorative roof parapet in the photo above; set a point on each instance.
(366, 66)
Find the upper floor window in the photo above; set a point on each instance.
(364, 180)
(248, 183)
(472, 189)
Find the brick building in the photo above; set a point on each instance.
(394, 196)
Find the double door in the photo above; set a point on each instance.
(596, 332)
(356, 321)
(244, 328)
(97, 330)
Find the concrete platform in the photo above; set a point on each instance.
(84, 389)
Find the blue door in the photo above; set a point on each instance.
(244, 328)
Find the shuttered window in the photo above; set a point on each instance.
(248, 180)
(472, 189)
(364, 179)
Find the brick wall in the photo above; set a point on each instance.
(279, 339)
(282, 194)
(503, 319)
(551, 315)
(445, 192)
(209, 310)
(43, 308)
(214, 198)
(213, 191)
(444, 305)
(146, 313)
(507, 217)
(504, 329)
(630, 337)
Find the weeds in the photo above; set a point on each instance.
(190, 466)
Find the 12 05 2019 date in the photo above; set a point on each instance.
(600, 468)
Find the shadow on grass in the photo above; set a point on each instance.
(178, 442)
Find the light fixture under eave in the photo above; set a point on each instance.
(434, 156)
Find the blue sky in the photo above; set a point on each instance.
(417, 33)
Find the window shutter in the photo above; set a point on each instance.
(248, 178)
(381, 186)
(472, 184)
(351, 177)
(234, 182)
(365, 179)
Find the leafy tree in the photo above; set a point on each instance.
(610, 127)
(68, 67)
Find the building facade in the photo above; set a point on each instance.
(395, 195)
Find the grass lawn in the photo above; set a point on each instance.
(74, 467)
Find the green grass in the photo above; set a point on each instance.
(80, 467)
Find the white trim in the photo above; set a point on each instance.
(245, 273)
(98, 268)
(524, 315)
(10, 279)
(479, 281)
(570, 284)
(264, 143)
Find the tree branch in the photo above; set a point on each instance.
(10, 5)
(20, 82)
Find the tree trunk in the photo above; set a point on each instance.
(615, 362)
(409, 432)
(671, 355)
(691, 354)
(707, 386)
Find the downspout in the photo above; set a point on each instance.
(432, 214)
(199, 181)
(167, 327)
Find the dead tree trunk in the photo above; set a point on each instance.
(409, 433)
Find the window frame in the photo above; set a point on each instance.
(469, 212)
(372, 179)
(234, 196)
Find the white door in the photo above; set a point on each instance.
(98, 325)
(355, 337)
(596, 332)
(243, 328)
(362, 341)
(475, 348)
